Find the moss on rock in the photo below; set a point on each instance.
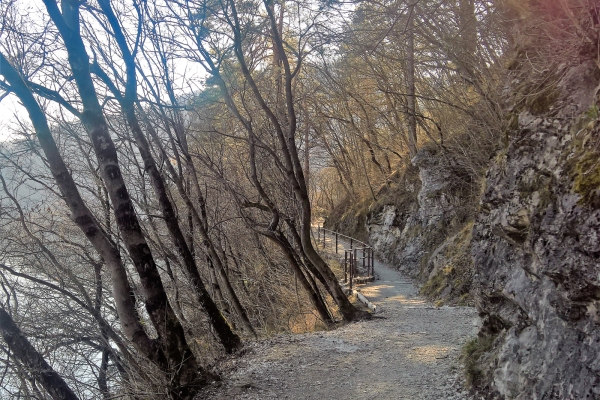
(472, 351)
(452, 269)
(586, 180)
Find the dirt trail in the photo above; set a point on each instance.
(410, 351)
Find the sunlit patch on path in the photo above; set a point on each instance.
(410, 353)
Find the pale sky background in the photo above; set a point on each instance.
(9, 110)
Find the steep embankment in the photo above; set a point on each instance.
(534, 273)
(536, 245)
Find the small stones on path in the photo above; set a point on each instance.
(412, 353)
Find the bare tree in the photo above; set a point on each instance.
(277, 110)
(22, 350)
(170, 351)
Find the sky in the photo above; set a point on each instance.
(10, 113)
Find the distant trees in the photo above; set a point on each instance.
(403, 73)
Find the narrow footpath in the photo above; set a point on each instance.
(409, 351)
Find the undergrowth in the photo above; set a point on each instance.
(472, 351)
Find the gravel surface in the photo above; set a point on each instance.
(409, 351)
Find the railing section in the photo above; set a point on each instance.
(359, 257)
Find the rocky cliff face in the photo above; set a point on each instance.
(423, 234)
(404, 233)
(535, 241)
(536, 244)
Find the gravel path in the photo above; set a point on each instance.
(410, 351)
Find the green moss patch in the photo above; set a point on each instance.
(401, 190)
(587, 177)
(472, 351)
(583, 164)
(543, 101)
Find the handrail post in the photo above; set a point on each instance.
(355, 262)
(373, 263)
(363, 258)
(351, 261)
(336, 242)
(345, 267)
(350, 255)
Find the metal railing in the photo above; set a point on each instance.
(359, 252)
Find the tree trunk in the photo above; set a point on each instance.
(177, 356)
(348, 311)
(314, 297)
(84, 219)
(33, 360)
(201, 221)
(289, 151)
(467, 36)
(227, 337)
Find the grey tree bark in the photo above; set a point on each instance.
(23, 350)
(228, 338)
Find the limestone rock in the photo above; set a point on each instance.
(406, 235)
(536, 250)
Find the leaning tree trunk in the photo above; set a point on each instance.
(313, 295)
(227, 337)
(22, 349)
(200, 222)
(179, 358)
(295, 175)
(85, 220)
